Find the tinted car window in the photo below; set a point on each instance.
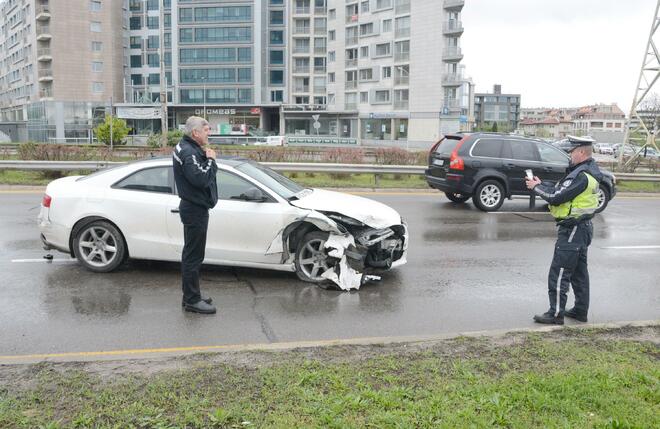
(447, 146)
(487, 147)
(523, 150)
(149, 179)
(230, 186)
(551, 154)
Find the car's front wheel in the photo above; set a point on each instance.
(312, 257)
(603, 198)
(489, 196)
(456, 197)
(99, 246)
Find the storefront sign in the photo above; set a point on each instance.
(321, 140)
(138, 113)
(255, 110)
(200, 112)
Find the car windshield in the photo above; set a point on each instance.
(282, 186)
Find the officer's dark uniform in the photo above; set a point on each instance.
(195, 177)
(573, 202)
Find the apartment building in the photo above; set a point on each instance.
(497, 108)
(62, 62)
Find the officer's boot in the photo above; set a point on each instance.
(549, 318)
(576, 314)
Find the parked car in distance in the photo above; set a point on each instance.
(628, 150)
(262, 220)
(490, 167)
(605, 149)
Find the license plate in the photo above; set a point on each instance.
(438, 162)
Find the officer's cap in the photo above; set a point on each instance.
(576, 142)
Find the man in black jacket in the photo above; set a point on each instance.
(194, 174)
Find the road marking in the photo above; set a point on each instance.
(44, 260)
(631, 247)
(28, 191)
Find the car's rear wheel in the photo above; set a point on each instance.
(99, 246)
(312, 257)
(489, 196)
(603, 198)
(456, 197)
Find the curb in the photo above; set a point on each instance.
(294, 345)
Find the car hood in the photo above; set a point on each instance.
(370, 212)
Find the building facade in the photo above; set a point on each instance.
(497, 108)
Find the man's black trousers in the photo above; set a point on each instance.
(195, 221)
(569, 267)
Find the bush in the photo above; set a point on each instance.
(173, 137)
(119, 131)
(398, 156)
(57, 152)
(341, 155)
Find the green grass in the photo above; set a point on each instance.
(633, 186)
(582, 381)
(324, 180)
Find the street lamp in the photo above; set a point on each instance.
(204, 95)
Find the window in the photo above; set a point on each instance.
(95, 26)
(276, 2)
(185, 15)
(364, 52)
(244, 75)
(154, 79)
(332, 14)
(136, 79)
(208, 55)
(277, 77)
(366, 29)
(149, 180)
(366, 74)
(186, 35)
(332, 35)
(365, 6)
(522, 150)
(95, 6)
(152, 42)
(364, 97)
(276, 57)
(551, 154)
(383, 50)
(331, 77)
(387, 25)
(223, 14)
(331, 56)
(136, 60)
(153, 60)
(277, 96)
(387, 72)
(152, 4)
(276, 17)
(244, 55)
(135, 23)
(277, 37)
(97, 87)
(152, 22)
(97, 66)
(97, 46)
(223, 34)
(381, 96)
(232, 187)
(488, 148)
(383, 4)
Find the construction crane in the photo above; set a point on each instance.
(644, 97)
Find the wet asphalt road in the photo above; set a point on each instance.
(467, 271)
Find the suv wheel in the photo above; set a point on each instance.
(457, 198)
(489, 196)
(603, 198)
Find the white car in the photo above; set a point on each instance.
(262, 220)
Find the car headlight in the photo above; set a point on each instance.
(345, 219)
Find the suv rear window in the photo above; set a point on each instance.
(448, 145)
(490, 148)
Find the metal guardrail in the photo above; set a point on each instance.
(305, 167)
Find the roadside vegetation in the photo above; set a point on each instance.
(569, 378)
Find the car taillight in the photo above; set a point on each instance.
(46, 201)
(455, 161)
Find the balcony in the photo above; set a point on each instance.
(43, 32)
(319, 89)
(320, 69)
(45, 74)
(44, 54)
(301, 50)
(352, 19)
(351, 63)
(455, 5)
(401, 56)
(452, 79)
(451, 103)
(452, 28)
(400, 33)
(320, 49)
(304, 10)
(320, 10)
(42, 13)
(301, 30)
(350, 106)
(301, 89)
(351, 84)
(401, 7)
(301, 69)
(320, 30)
(452, 55)
(351, 40)
(401, 105)
(46, 93)
(401, 80)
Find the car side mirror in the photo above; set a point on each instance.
(254, 195)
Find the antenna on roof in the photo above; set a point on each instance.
(645, 102)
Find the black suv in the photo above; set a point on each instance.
(490, 167)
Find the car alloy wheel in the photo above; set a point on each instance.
(489, 196)
(312, 257)
(99, 246)
(603, 198)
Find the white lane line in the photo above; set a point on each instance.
(521, 213)
(44, 260)
(631, 247)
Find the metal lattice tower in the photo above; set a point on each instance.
(648, 76)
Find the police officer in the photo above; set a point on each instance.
(194, 174)
(573, 202)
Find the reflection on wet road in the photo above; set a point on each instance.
(467, 270)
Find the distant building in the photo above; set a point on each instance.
(503, 109)
(549, 127)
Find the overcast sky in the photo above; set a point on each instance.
(557, 53)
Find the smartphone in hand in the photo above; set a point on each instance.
(529, 174)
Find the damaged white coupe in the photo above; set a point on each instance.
(262, 220)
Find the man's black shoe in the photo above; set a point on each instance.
(200, 307)
(549, 319)
(573, 314)
(208, 300)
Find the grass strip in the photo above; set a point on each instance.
(575, 378)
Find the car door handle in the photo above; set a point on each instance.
(509, 165)
(175, 210)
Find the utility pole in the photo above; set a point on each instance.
(112, 119)
(163, 81)
(204, 95)
(648, 75)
